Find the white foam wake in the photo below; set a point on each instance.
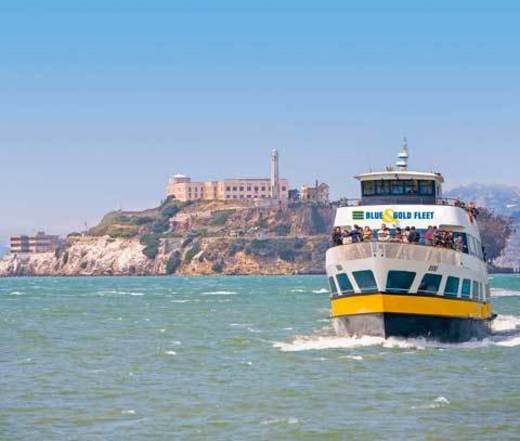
(219, 293)
(320, 291)
(499, 292)
(309, 343)
(505, 323)
(505, 333)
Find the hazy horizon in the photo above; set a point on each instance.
(102, 104)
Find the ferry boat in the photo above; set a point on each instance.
(396, 288)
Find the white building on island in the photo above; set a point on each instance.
(184, 189)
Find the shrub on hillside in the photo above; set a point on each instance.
(161, 226)
(217, 266)
(122, 231)
(192, 252)
(282, 229)
(174, 261)
(151, 245)
(285, 249)
(236, 247)
(141, 220)
(220, 217)
(169, 211)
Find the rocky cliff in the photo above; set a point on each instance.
(200, 238)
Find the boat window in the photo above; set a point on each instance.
(426, 188)
(333, 288)
(430, 284)
(344, 284)
(466, 289)
(369, 188)
(476, 291)
(410, 187)
(382, 188)
(464, 241)
(488, 292)
(396, 187)
(365, 280)
(399, 281)
(452, 286)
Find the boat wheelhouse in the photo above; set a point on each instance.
(385, 285)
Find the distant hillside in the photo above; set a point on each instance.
(503, 201)
(3, 249)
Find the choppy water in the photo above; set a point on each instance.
(226, 358)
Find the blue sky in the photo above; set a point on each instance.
(101, 101)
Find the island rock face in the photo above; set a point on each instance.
(197, 238)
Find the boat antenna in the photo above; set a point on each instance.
(402, 157)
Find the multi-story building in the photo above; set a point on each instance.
(40, 243)
(318, 193)
(184, 189)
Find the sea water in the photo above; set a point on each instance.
(225, 358)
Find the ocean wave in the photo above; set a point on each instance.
(352, 357)
(320, 291)
(505, 323)
(120, 293)
(180, 301)
(499, 292)
(219, 293)
(438, 402)
(290, 420)
(298, 290)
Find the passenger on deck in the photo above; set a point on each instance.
(473, 211)
(415, 236)
(355, 234)
(406, 235)
(383, 235)
(347, 238)
(436, 237)
(367, 234)
(459, 243)
(337, 236)
(398, 235)
(428, 236)
(449, 240)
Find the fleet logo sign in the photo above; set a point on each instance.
(390, 216)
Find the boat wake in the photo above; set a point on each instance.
(499, 292)
(505, 333)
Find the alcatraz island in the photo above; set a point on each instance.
(231, 226)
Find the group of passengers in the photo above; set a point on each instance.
(471, 208)
(432, 236)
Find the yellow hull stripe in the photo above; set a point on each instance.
(409, 304)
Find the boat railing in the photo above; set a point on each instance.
(393, 250)
(355, 202)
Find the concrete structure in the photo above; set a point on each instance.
(184, 189)
(275, 176)
(318, 193)
(41, 243)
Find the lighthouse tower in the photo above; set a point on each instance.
(275, 177)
